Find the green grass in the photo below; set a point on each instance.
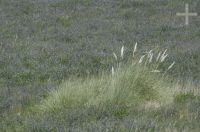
(131, 87)
(134, 99)
(50, 49)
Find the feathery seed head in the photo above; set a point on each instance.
(164, 52)
(115, 56)
(150, 57)
(135, 49)
(141, 59)
(122, 52)
(113, 71)
(158, 57)
(155, 71)
(163, 57)
(171, 66)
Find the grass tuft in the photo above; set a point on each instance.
(131, 86)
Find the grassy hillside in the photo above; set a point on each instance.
(45, 43)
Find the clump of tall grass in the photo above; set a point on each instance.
(131, 86)
(150, 59)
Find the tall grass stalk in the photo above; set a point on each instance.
(148, 57)
(122, 52)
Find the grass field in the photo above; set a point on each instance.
(56, 58)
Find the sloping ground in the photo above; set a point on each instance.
(56, 39)
(45, 42)
(134, 99)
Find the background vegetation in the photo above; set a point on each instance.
(56, 45)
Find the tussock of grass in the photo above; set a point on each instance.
(131, 86)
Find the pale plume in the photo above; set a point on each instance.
(163, 58)
(150, 57)
(135, 49)
(122, 52)
(149, 53)
(158, 57)
(155, 71)
(164, 52)
(141, 59)
(171, 66)
(115, 56)
(113, 71)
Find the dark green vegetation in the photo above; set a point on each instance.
(44, 42)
